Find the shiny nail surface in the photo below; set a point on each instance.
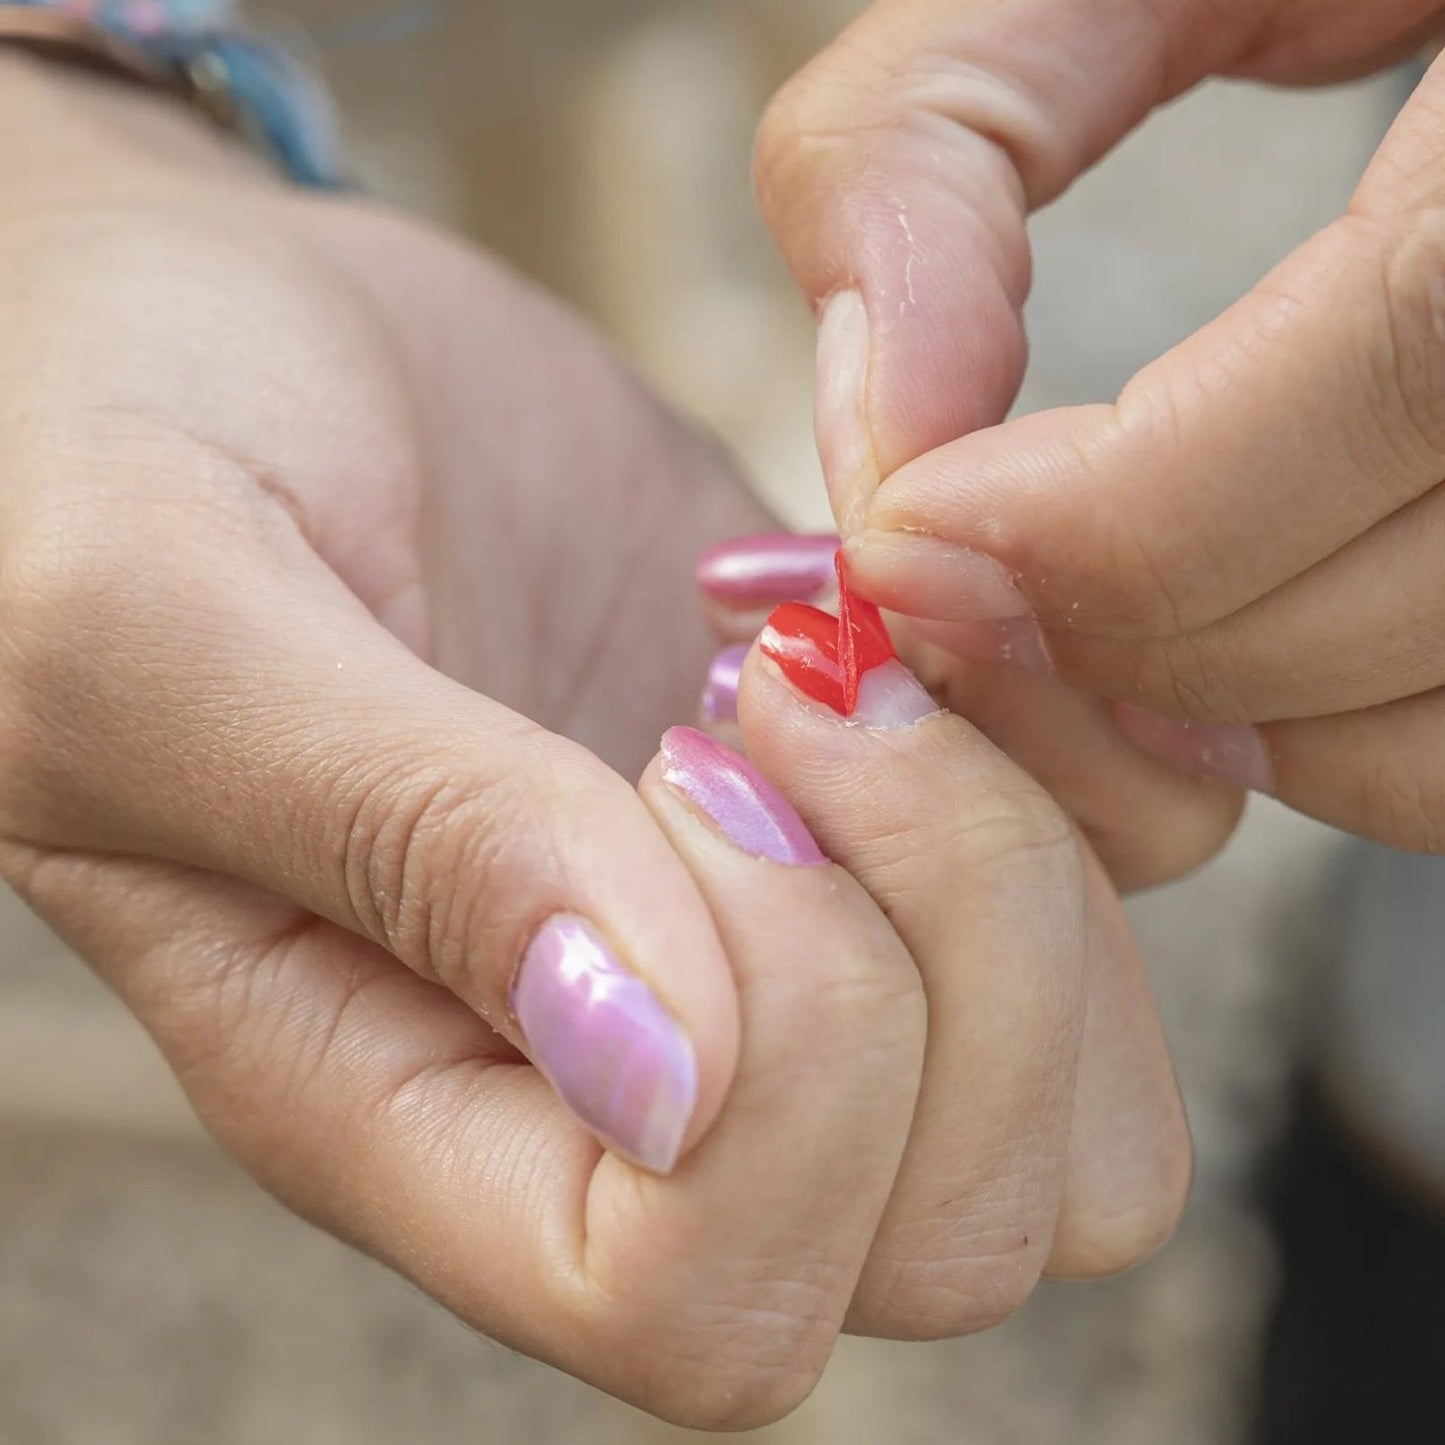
(845, 441)
(761, 571)
(616, 1057)
(1232, 753)
(747, 809)
(945, 580)
(964, 600)
(803, 643)
(720, 692)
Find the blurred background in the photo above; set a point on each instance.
(150, 1294)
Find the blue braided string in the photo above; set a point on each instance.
(284, 107)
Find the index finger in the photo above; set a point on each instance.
(896, 172)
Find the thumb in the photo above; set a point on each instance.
(896, 172)
(246, 715)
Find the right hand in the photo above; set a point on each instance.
(285, 475)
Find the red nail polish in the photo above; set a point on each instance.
(825, 657)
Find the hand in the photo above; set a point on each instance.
(1145, 824)
(286, 475)
(1241, 551)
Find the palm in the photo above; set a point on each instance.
(562, 506)
(476, 467)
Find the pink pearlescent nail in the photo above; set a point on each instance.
(761, 571)
(720, 692)
(616, 1057)
(1232, 753)
(747, 809)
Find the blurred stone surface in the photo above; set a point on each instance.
(149, 1293)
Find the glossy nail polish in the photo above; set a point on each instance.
(616, 1057)
(1231, 753)
(744, 805)
(761, 571)
(804, 644)
(720, 692)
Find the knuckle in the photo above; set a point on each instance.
(966, 1261)
(1187, 675)
(802, 124)
(1019, 824)
(922, 1299)
(422, 852)
(746, 1369)
(1013, 833)
(1410, 394)
(1158, 581)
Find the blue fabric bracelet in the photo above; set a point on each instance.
(253, 82)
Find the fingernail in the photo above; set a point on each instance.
(945, 580)
(747, 808)
(971, 600)
(1012, 642)
(765, 570)
(803, 643)
(720, 692)
(616, 1057)
(890, 696)
(1232, 753)
(841, 409)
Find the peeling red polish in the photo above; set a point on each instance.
(826, 657)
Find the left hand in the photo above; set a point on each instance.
(1243, 551)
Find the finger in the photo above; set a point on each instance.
(1304, 416)
(1376, 772)
(980, 874)
(897, 169)
(1146, 822)
(384, 1109)
(240, 712)
(1360, 629)
(1130, 1159)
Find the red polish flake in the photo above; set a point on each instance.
(825, 657)
(863, 641)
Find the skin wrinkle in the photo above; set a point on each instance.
(1414, 333)
(841, 1017)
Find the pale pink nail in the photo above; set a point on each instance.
(761, 571)
(720, 692)
(1011, 641)
(845, 441)
(616, 1057)
(891, 697)
(945, 580)
(1232, 753)
(747, 809)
